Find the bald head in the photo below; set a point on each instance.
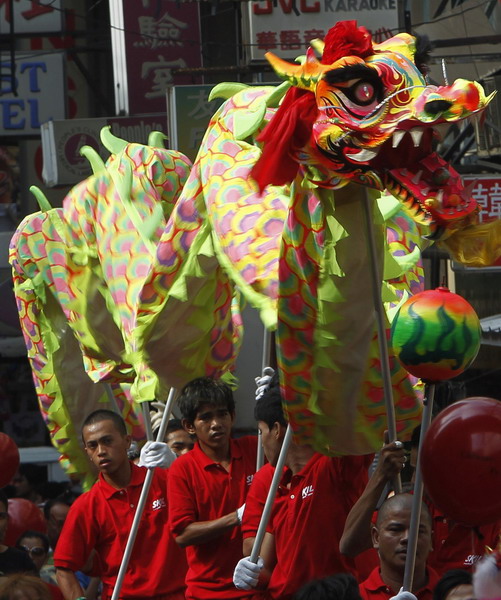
(390, 537)
(401, 502)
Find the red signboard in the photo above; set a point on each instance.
(159, 37)
(487, 192)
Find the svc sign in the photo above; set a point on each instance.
(286, 27)
(35, 94)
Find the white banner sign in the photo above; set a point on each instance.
(35, 94)
(286, 27)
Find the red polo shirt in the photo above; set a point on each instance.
(374, 588)
(308, 521)
(256, 499)
(102, 518)
(457, 546)
(202, 490)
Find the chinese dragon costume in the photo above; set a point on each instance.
(270, 213)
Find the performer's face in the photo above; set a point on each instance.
(211, 426)
(179, 441)
(391, 535)
(106, 446)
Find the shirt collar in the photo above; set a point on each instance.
(374, 582)
(206, 461)
(137, 478)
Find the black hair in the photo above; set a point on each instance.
(342, 586)
(21, 582)
(35, 474)
(4, 499)
(67, 498)
(416, 434)
(52, 489)
(174, 425)
(31, 533)
(423, 52)
(204, 390)
(269, 408)
(450, 580)
(105, 415)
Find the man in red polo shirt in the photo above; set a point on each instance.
(390, 535)
(207, 490)
(315, 495)
(101, 519)
(457, 546)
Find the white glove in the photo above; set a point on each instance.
(246, 573)
(263, 382)
(240, 513)
(403, 595)
(156, 415)
(156, 454)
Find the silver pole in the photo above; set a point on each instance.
(381, 327)
(143, 497)
(264, 363)
(145, 406)
(111, 397)
(417, 498)
(272, 492)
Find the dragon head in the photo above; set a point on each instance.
(374, 120)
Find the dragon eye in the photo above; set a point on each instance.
(364, 92)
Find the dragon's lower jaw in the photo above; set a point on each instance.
(433, 192)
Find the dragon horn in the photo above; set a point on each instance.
(304, 76)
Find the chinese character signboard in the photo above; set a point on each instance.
(286, 27)
(30, 16)
(159, 37)
(487, 193)
(37, 93)
(189, 115)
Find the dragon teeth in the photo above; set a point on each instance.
(469, 189)
(362, 156)
(417, 177)
(416, 135)
(397, 138)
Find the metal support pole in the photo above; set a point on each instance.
(417, 498)
(272, 492)
(264, 363)
(381, 327)
(145, 406)
(111, 398)
(142, 498)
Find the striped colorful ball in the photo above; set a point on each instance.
(436, 334)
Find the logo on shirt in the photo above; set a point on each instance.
(471, 559)
(158, 504)
(307, 491)
(249, 479)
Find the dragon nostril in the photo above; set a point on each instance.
(435, 107)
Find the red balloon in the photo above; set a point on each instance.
(461, 461)
(9, 459)
(23, 515)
